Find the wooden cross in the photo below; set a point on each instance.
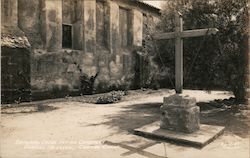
(178, 35)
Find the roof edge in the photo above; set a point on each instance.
(140, 2)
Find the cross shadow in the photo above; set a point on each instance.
(133, 150)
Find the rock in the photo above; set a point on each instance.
(180, 114)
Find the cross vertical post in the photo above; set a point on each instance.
(178, 35)
(178, 53)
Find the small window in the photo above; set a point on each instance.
(67, 36)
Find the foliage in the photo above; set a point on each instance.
(147, 71)
(112, 97)
(210, 62)
(86, 82)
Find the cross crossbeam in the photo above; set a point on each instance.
(178, 35)
(186, 34)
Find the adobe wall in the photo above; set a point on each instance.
(54, 70)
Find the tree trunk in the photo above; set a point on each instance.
(248, 58)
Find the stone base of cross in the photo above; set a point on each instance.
(178, 35)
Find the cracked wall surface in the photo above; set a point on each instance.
(54, 70)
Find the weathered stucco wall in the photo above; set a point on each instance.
(89, 16)
(28, 21)
(54, 71)
(9, 18)
(51, 19)
(137, 28)
(9, 12)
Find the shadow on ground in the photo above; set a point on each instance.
(228, 113)
(28, 109)
(134, 116)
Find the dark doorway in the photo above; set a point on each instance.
(15, 75)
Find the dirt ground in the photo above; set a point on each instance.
(75, 127)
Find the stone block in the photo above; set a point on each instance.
(178, 100)
(180, 114)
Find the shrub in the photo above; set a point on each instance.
(111, 97)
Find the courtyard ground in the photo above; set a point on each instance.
(77, 128)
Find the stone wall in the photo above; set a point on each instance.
(55, 73)
(15, 74)
(15, 56)
(96, 37)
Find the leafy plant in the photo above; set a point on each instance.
(109, 98)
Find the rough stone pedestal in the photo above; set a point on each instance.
(180, 114)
